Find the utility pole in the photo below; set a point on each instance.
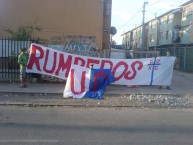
(155, 15)
(143, 26)
(156, 28)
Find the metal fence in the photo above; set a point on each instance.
(184, 56)
(184, 59)
(9, 51)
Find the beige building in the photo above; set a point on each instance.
(82, 22)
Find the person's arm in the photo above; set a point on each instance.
(19, 59)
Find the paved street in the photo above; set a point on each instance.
(95, 126)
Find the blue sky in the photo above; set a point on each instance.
(126, 14)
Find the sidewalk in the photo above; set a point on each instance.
(50, 94)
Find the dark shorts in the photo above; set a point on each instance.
(23, 73)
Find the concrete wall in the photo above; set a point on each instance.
(61, 21)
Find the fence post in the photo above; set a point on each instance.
(185, 57)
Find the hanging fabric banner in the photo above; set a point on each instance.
(87, 83)
(147, 71)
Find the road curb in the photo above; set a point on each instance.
(105, 94)
(109, 101)
(92, 106)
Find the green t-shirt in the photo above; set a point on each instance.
(22, 60)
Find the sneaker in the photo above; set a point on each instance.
(160, 87)
(168, 88)
(21, 86)
(133, 86)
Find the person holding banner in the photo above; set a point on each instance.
(168, 53)
(22, 60)
(147, 71)
(91, 65)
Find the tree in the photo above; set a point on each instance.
(23, 32)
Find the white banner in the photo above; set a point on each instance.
(147, 71)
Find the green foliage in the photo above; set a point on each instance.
(13, 54)
(23, 32)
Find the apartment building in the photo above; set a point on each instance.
(127, 40)
(159, 32)
(133, 39)
(167, 23)
(171, 31)
(186, 23)
(60, 21)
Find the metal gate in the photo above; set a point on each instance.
(184, 54)
(9, 51)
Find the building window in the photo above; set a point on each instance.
(163, 20)
(134, 35)
(152, 25)
(161, 36)
(152, 38)
(170, 34)
(167, 35)
(186, 30)
(170, 18)
(160, 26)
